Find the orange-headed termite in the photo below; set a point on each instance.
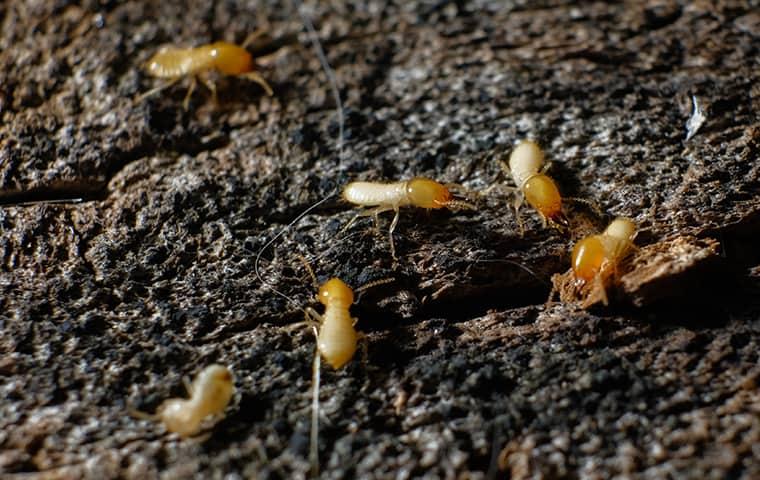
(337, 340)
(596, 258)
(337, 337)
(527, 166)
(173, 63)
(417, 192)
(210, 393)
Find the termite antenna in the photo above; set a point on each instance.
(519, 265)
(252, 37)
(313, 259)
(276, 237)
(374, 283)
(58, 201)
(560, 222)
(314, 434)
(589, 203)
(329, 73)
(308, 268)
(155, 90)
(525, 268)
(360, 291)
(458, 205)
(140, 415)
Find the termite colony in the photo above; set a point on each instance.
(596, 260)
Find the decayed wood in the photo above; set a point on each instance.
(128, 234)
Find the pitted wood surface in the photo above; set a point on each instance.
(105, 304)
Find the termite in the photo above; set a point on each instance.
(337, 340)
(417, 192)
(336, 336)
(210, 393)
(527, 167)
(173, 63)
(597, 257)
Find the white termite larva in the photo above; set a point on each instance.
(210, 393)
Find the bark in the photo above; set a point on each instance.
(129, 234)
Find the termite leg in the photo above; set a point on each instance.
(255, 77)
(212, 88)
(139, 414)
(499, 186)
(366, 213)
(599, 283)
(546, 167)
(550, 300)
(253, 36)
(156, 90)
(312, 316)
(186, 101)
(201, 439)
(505, 168)
(356, 217)
(517, 203)
(394, 222)
(362, 339)
(311, 319)
(309, 323)
(376, 216)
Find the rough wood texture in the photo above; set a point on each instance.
(107, 303)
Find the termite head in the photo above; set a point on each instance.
(591, 254)
(588, 257)
(426, 193)
(542, 194)
(214, 388)
(231, 59)
(216, 375)
(153, 65)
(335, 290)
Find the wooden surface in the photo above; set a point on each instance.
(106, 303)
